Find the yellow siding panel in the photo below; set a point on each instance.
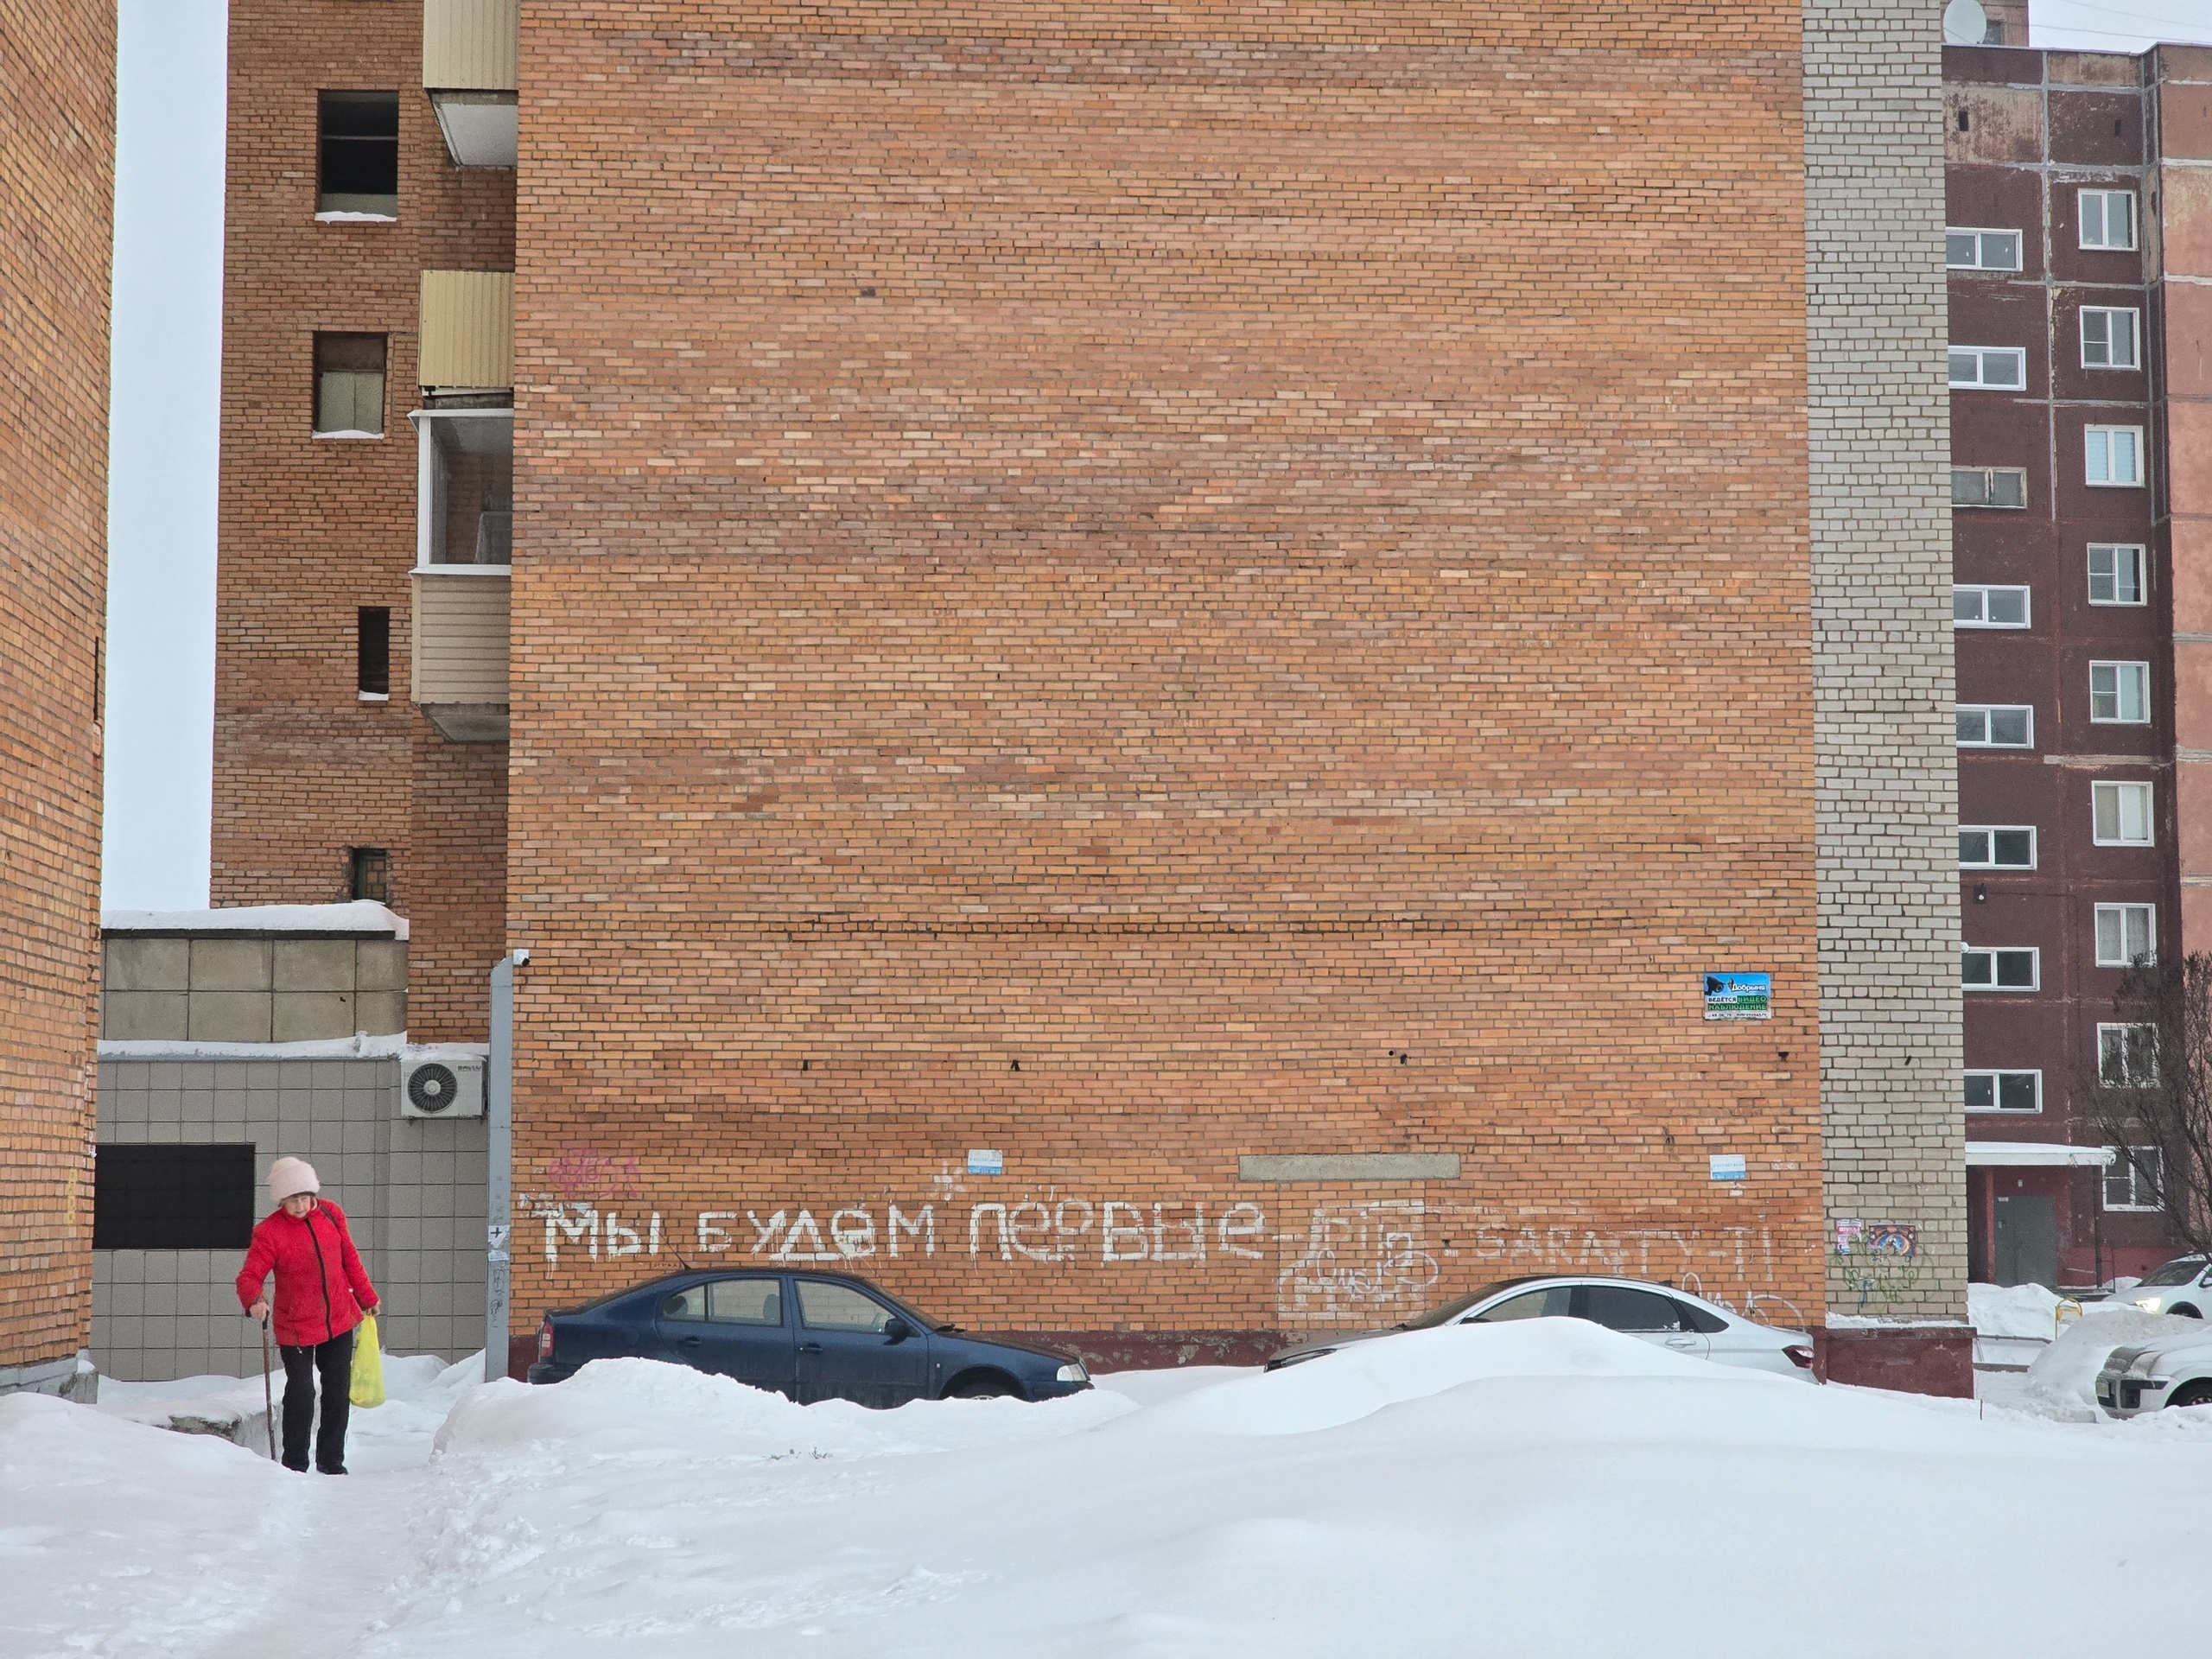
(470, 46)
(460, 639)
(469, 329)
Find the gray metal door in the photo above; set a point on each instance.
(2027, 1241)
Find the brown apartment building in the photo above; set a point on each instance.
(1128, 667)
(2079, 248)
(57, 138)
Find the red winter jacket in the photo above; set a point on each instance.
(321, 1286)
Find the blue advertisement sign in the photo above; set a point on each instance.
(980, 1162)
(1738, 996)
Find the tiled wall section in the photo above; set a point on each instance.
(1886, 787)
(412, 1188)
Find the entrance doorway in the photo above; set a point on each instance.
(2027, 1241)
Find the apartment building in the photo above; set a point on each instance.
(2080, 208)
(1162, 673)
(57, 110)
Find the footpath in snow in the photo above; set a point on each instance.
(1545, 1489)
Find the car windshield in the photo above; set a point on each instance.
(2174, 1272)
(1452, 1309)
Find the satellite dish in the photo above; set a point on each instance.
(1965, 23)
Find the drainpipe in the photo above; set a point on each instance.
(499, 1147)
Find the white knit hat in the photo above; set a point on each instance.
(290, 1177)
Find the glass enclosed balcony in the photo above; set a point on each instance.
(470, 49)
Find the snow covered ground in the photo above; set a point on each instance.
(1543, 1488)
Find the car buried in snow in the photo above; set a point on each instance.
(2171, 1371)
(1660, 1314)
(808, 1336)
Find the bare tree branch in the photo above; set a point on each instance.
(2149, 1085)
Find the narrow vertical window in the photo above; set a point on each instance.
(357, 156)
(349, 385)
(373, 653)
(370, 874)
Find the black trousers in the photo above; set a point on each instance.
(334, 1360)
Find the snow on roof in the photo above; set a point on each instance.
(2034, 1154)
(363, 1047)
(363, 916)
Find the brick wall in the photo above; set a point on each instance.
(1132, 586)
(1888, 784)
(311, 529)
(57, 106)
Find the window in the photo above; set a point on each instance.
(1550, 1304)
(2107, 219)
(1619, 1308)
(2134, 1178)
(1979, 607)
(1997, 846)
(746, 1301)
(173, 1197)
(370, 873)
(839, 1307)
(2012, 970)
(2115, 573)
(1971, 250)
(2004, 1091)
(1996, 725)
(349, 385)
(2113, 456)
(358, 156)
(2126, 934)
(2120, 814)
(2120, 694)
(2002, 368)
(2108, 339)
(373, 653)
(2127, 1056)
(1989, 486)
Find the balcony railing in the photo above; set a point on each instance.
(460, 671)
(470, 49)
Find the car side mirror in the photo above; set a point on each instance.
(897, 1329)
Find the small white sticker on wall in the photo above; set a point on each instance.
(984, 1162)
(1726, 1166)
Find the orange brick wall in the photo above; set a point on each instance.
(57, 179)
(1135, 585)
(311, 529)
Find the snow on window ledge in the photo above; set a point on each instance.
(340, 218)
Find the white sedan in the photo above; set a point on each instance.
(2175, 1371)
(1659, 1314)
(2183, 1287)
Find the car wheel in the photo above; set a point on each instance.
(983, 1385)
(2184, 1312)
(2193, 1394)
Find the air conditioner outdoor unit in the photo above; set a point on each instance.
(441, 1086)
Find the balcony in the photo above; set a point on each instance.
(469, 53)
(464, 534)
(468, 321)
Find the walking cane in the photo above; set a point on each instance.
(268, 1403)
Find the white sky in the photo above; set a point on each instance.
(169, 203)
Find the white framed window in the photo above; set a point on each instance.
(2109, 337)
(1989, 486)
(2008, 968)
(2134, 1178)
(1996, 725)
(1999, 368)
(2120, 814)
(2120, 694)
(2115, 573)
(2004, 1091)
(2127, 935)
(2107, 219)
(2113, 456)
(1997, 846)
(2127, 1056)
(1967, 248)
(1977, 605)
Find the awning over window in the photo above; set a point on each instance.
(2034, 1154)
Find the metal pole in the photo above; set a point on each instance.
(499, 1196)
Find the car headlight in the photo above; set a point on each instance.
(1288, 1360)
(1072, 1373)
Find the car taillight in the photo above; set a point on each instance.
(545, 1338)
(1800, 1355)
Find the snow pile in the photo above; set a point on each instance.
(2063, 1381)
(2025, 1310)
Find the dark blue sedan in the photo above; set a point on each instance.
(811, 1336)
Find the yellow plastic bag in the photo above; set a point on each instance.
(367, 1387)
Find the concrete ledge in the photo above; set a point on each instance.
(1935, 1359)
(70, 1378)
(1349, 1166)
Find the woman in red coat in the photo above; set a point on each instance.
(322, 1291)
